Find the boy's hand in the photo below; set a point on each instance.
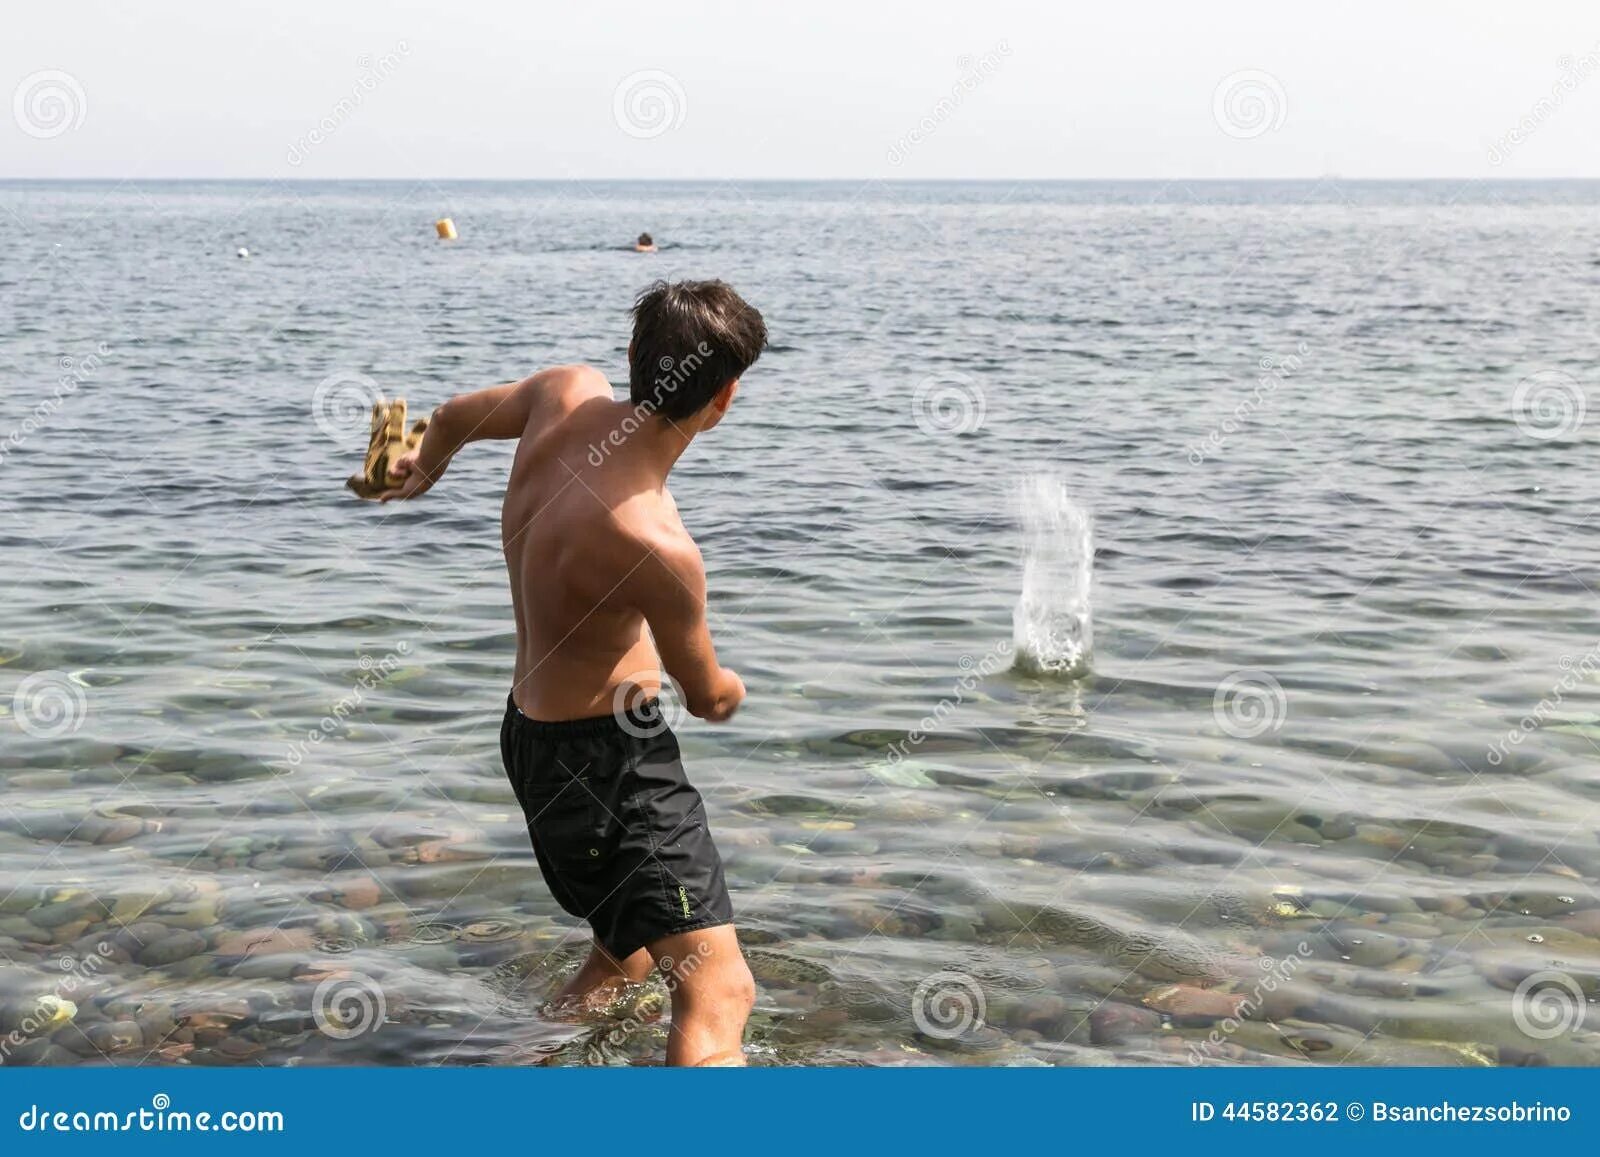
(414, 481)
(730, 693)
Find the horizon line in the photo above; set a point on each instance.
(1326, 177)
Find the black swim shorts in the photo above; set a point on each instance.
(620, 835)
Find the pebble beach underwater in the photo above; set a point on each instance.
(1168, 611)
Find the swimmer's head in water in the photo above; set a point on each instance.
(645, 239)
(691, 341)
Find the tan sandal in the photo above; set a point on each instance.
(389, 440)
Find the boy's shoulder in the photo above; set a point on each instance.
(571, 383)
(552, 397)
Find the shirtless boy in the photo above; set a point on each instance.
(609, 591)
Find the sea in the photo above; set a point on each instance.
(1168, 612)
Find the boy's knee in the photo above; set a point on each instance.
(744, 987)
(731, 987)
(736, 988)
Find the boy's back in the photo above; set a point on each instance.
(579, 540)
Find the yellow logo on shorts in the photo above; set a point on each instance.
(683, 895)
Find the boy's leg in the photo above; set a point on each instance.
(712, 993)
(602, 975)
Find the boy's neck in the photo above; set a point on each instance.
(657, 444)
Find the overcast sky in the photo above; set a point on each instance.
(693, 88)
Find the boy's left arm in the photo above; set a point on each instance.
(497, 412)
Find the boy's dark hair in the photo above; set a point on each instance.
(645, 239)
(690, 338)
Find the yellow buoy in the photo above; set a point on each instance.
(446, 228)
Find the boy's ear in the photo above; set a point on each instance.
(723, 398)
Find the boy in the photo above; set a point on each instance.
(609, 590)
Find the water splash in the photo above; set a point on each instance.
(1052, 628)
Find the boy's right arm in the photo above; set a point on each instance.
(670, 589)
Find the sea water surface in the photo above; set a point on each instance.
(1326, 795)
